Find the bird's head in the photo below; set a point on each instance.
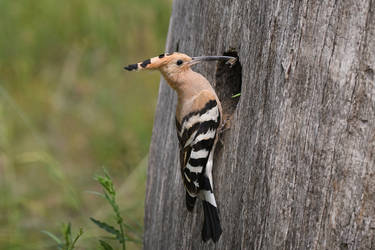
(171, 65)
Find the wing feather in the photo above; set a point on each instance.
(196, 135)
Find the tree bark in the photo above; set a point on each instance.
(296, 168)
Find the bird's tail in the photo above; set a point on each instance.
(211, 225)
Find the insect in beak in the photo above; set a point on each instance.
(230, 59)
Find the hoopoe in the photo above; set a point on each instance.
(198, 117)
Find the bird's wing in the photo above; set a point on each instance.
(196, 134)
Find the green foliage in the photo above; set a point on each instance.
(105, 245)
(54, 237)
(236, 95)
(110, 195)
(69, 242)
(109, 229)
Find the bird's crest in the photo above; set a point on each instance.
(182, 60)
(152, 63)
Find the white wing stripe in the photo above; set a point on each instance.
(188, 142)
(199, 154)
(211, 114)
(194, 169)
(208, 135)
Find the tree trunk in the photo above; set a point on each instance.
(296, 168)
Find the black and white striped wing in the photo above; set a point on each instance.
(197, 133)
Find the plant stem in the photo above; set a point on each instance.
(122, 236)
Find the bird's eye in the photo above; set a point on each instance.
(179, 62)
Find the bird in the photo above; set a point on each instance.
(198, 120)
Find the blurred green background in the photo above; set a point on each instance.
(67, 109)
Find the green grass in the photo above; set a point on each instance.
(69, 242)
(67, 108)
(120, 230)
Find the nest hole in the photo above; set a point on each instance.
(228, 84)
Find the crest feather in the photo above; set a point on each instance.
(152, 63)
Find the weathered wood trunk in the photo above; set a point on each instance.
(296, 169)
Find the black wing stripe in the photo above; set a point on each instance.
(178, 126)
(191, 181)
(207, 125)
(204, 144)
(200, 162)
(203, 128)
(188, 133)
(192, 176)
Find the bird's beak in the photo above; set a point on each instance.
(230, 59)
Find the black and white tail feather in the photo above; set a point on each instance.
(197, 134)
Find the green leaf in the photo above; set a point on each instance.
(106, 183)
(67, 231)
(236, 95)
(76, 238)
(105, 245)
(52, 236)
(106, 227)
